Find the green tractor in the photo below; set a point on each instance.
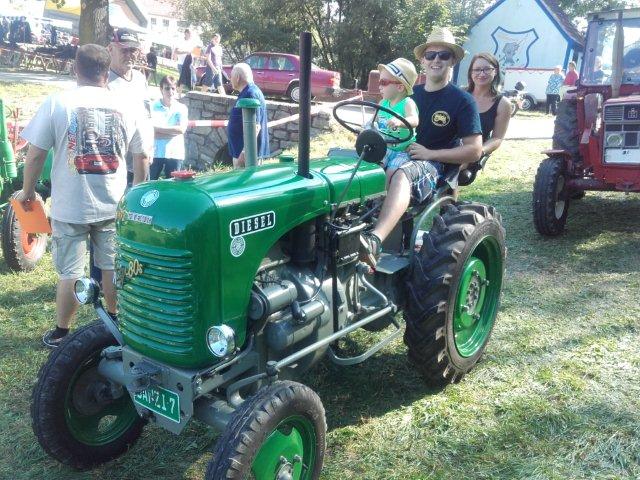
(21, 250)
(231, 285)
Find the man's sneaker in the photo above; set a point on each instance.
(51, 338)
(370, 248)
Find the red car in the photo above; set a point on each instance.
(277, 74)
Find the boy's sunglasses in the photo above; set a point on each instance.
(442, 55)
(383, 82)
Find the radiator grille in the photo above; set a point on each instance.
(156, 306)
(614, 113)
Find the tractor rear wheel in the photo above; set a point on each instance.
(22, 251)
(278, 433)
(550, 197)
(454, 292)
(79, 417)
(565, 129)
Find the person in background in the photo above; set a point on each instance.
(213, 74)
(169, 119)
(242, 81)
(90, 129)
(572, 76)
(553, 89)
(182, 54)
(130, 83)
(495, 110)
(152, 63)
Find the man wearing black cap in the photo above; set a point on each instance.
(124, 80)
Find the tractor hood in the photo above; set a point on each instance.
(188, 250)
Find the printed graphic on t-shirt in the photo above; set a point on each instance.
(95, 140)
(440, 118)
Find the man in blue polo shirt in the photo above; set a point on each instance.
(448, 135)
(242, 81)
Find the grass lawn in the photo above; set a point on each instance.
(557, 395)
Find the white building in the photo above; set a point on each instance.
(529, 38)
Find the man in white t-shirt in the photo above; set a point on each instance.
(90, 130)
(131, 84)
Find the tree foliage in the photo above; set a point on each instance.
(351, 36)
(580, 8)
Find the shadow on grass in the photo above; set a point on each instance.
(601, 234)
(27, 298)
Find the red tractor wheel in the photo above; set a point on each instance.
(22, 251)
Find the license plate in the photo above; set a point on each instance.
(161, 401)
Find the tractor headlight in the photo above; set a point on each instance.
(86, 290)
(615, 140)
(221, 340)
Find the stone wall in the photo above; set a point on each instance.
(206, 146)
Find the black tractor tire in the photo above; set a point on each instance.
(22, 251)
(551, 197)
(284, 409)
(438, 288)
(72, 417)
(293, 92)
(565, 129)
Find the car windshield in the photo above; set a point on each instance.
(598, 64)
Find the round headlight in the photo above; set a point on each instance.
(221, 340)
(86, 290)
(614, 140)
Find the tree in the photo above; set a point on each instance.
(580, 8)
(94, 22)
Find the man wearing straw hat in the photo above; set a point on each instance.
(448, 135)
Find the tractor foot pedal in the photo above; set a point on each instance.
(390, 264)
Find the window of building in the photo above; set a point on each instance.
(165, 22)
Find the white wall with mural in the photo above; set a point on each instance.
(524, 35)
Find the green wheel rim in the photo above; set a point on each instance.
(476, 302)
(104, 423)
(288, 452)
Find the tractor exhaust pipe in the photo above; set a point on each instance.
(305, 105)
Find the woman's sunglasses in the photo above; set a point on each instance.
(442, 55)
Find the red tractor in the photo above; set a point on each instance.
(596, 140)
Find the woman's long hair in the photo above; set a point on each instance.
(493, 61)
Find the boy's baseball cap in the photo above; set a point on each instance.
(126, 38)
(404, 70)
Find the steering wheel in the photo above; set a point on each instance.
(358, 128)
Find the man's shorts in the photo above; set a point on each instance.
(423, 176)
(394, 159)
(69, 246)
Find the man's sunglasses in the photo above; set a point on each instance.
(168, 88)
(441, 54)
(383, 82)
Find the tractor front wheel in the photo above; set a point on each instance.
(79, 417)
(454, 292)
(550, 197)
(278, 433)
(22, 251)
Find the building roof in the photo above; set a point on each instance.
(551, 7)
(566, 23)
(160, 8)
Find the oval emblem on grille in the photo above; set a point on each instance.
(149, 198)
